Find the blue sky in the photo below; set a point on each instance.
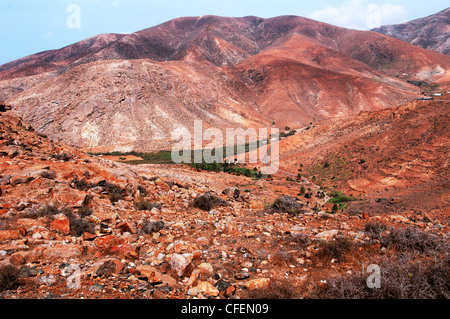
(31, 26)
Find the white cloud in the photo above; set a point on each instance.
(361, 14)
(48, 35)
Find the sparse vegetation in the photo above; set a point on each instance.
(79, 226)
(282, 258)
(406, 276)
(63, 157)
(230, 168)
(374, 230)
(149, 227)
(277, 289)
(114, 191)
(331, 172)
(290, 133)
(339, 200)
(410, 239)
(51, 210)
(335, 249)
(9, 277)
(285, 204)
(84, 211)
(208, 201)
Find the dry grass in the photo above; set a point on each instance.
(402, 277)
(208, 201)
(277, 289)
(285, 204)
(9, 277)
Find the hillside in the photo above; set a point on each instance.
(432, 32)
(399, 155)
(77, 226)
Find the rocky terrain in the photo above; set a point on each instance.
(158, 231)
(363, 180)
(132, 92)
(399, 154)
(430, 33)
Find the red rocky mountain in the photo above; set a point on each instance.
(130, 92)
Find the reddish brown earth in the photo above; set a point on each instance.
(134, 231)
(400, 154)
(235, 251)
(131, 92)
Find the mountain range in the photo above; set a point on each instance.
(117, 92)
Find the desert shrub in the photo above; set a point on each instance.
(63, 157)
(146, 205)
(282, 258)
(81, 185)
(80, 225)
(84, 211)
(413, 239)
(9, 277)
(149, 227)
(50, 210)
(405, 277)
(48, 174)
(300, 239)
(208, 201)
(277, 289)
(115, 192)
(335, 249)
(285, 204)
(374, 230)
(142, 190)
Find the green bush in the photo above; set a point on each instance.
(339, 197)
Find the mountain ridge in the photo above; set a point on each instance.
(228, 72)
(431, 32)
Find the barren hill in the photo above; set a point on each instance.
(400, 154)
(431, 32)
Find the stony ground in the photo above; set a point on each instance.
(78, 226)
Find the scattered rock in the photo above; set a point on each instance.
(180, 263)
(109, 267)
(261, 283)
(207, 289)
(9, 235)
(328, 234)
(241, 275)
(61, 224)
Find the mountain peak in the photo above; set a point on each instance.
(432, 32)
